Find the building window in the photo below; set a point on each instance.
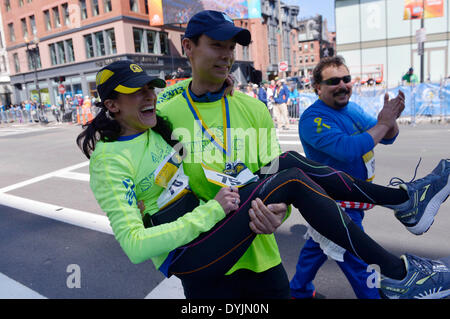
(33, 25)
(111, 41)
(7, 5)
(53, 58)
(245, 53)
(312, 45)
(69, 51)
(56, 19)
(150, 41)
(108, 5)
(89, 46)
(99, 43)
(23, 22)
(20, 3)
(3, 66)
(312, 58)
(60, 52)
(66, 14)
(34, 59)
(164, 43)
(95, 9)
(300, 59)
(83, 9)
(151, 38)
(48, 24)
(137, 36)
(12, 36)
(134, 6)
(16, 62)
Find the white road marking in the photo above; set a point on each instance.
(43, 177)
(73, 175)
(11, 289)
(169, 288)
(71, 216)
(290, 143)
(22, 130)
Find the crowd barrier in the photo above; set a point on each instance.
(78, 115)
(425, 100)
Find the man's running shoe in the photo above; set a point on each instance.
(425, 279)
(425, 197)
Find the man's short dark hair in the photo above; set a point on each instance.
(335, 61)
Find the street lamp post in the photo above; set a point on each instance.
(34, 51)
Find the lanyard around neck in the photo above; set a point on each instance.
(225, 146)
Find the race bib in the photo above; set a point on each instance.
(167, 169)
(369, 161)
(235, 174)
(177, 187)
(170, 175)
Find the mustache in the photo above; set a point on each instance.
(341, 91)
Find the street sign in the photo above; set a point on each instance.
(61, 89)
(421, 35)
(283, 66)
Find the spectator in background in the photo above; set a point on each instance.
(281, 95)
(262, 92)
(3, 117)
(249, 90)
(293, 101)
(410, 78)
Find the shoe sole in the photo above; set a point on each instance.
(436, 295)
(431, 210)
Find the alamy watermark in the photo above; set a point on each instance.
(373, 280)
(74, 278)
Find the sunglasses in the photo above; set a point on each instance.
(336, 81)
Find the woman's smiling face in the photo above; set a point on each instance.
(136, 112)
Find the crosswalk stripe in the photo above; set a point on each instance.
(43, 177)
(11, 289)
(71, 216)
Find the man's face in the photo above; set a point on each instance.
(335, 96)
(211, 59)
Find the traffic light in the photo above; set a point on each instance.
(59, 79)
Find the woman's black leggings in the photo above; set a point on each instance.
(312, 188)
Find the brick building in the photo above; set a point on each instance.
(67, 41)
(315, 41)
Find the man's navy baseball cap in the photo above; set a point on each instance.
(218, 26)
(125, 77)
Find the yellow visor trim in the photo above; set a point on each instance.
(125, 90)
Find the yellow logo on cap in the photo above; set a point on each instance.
(135, 68)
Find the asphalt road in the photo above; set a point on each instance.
(55, 241)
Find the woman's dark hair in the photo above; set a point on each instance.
(335, 61)
(106, 129)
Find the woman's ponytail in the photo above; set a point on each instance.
(102, 128)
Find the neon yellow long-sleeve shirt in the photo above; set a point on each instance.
(122, 173)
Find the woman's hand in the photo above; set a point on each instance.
(228, 198)
(230, 85)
